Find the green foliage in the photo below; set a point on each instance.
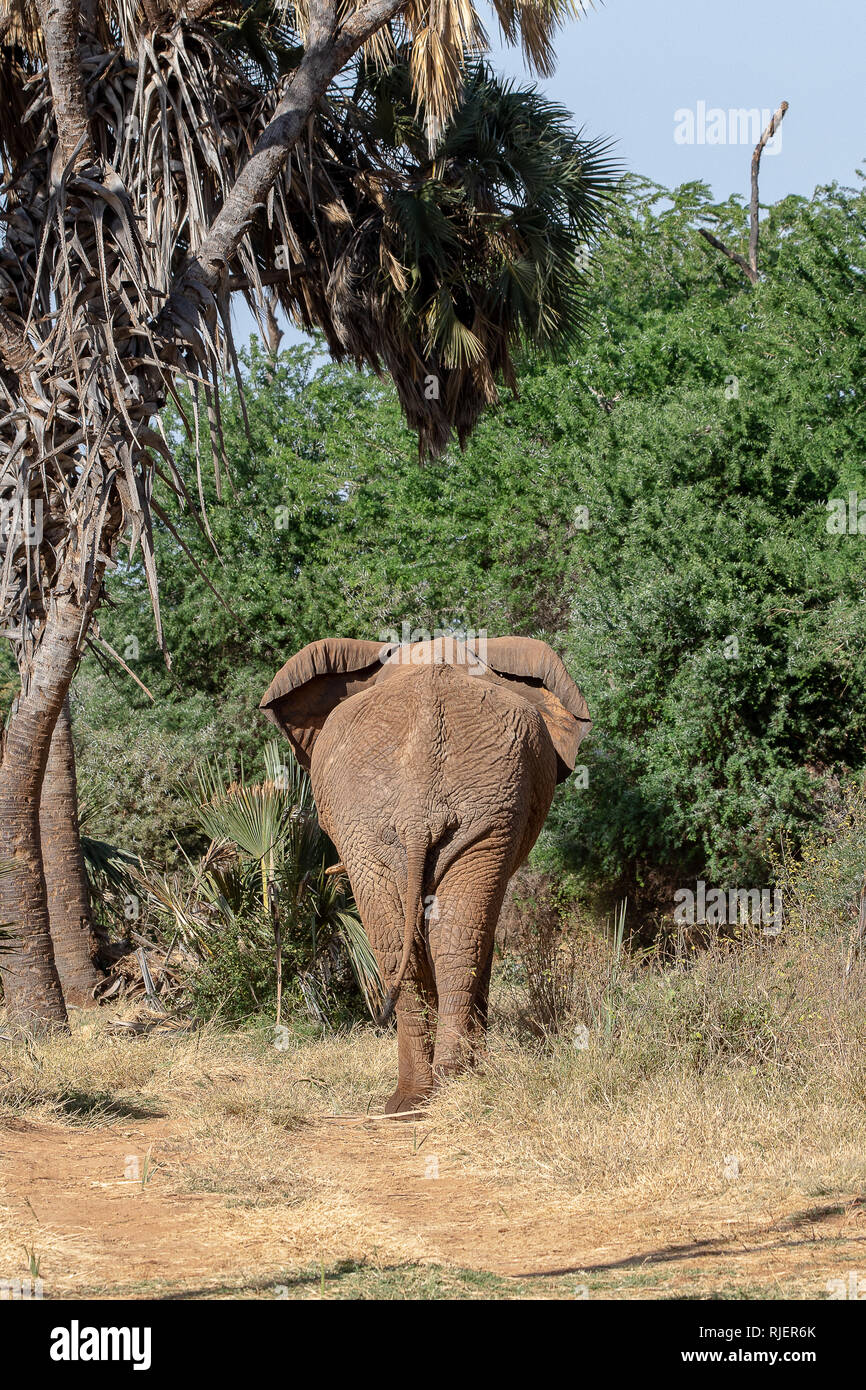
(823, 882)
(264, 903)
(130, 761)
(713, 621)
(717, 625)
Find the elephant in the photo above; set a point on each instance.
(433, 767)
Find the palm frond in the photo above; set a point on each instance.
(108, 866)
(362, 961)
(255, 817)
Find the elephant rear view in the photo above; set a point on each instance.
(433, 767)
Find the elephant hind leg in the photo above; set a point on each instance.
(469, 899)
(383, 914)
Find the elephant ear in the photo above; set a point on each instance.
(544, 681)
(314, 681)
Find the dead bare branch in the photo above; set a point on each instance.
(750, 267)
(731, 255)
(775, 121)
(97, 638)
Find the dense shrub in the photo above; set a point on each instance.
(655, 508)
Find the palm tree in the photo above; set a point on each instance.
(441, 260)
(152, 165)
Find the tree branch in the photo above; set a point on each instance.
(321, 23)
(731, 255)
(750, 267)
(768, 134)
(321, 62)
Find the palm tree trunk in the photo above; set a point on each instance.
(31, 984)
(69, 909)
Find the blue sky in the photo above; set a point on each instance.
(629, 66)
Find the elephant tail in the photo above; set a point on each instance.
(416, 853)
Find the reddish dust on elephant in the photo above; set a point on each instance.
(433, 766)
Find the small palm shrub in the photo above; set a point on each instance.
(266, 915)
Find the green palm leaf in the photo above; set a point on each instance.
(274, 826)
(254, 817)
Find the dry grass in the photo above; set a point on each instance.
(754, 1051)
(91, 1074)
(728, 1087)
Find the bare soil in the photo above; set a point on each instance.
(371, 1202)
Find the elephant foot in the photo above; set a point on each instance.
(402, 1103)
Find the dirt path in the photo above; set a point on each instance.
(107, 1211)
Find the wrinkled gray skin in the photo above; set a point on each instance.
(433, 772)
